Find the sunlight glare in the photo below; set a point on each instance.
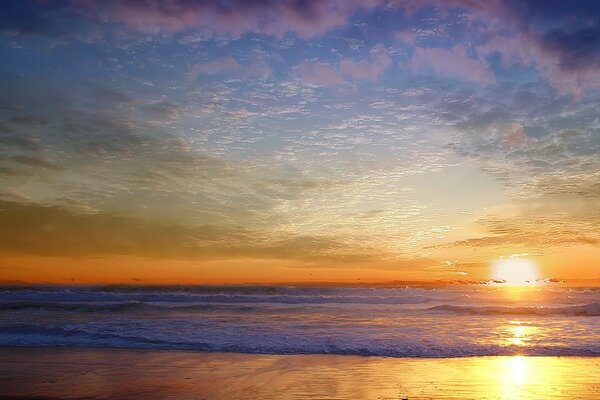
(515, 271)
(518, 370)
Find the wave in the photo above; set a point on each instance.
(116, 307)
(290, 320)
(187, 297)
(40, 336)
(291, 295)
(592, 309)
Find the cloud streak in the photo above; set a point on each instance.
(307, 19)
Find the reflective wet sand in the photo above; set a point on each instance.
(69, 373)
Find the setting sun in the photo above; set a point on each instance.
(515, 271)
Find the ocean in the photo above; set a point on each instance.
(453, 321)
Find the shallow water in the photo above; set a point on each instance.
(397, 322)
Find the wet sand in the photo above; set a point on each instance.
(71, 373)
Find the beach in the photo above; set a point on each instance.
(287, 342)
(87, 373)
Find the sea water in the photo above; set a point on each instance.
(397, 322)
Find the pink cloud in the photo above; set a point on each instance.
(312, 18)
(515, 136)
(214, 67)
(452, 62)
(229, 64)
(368, 69)
(526, 49)
(407, 37)
(479, 6)
(308, 18)
(520, 44)
(317, 73)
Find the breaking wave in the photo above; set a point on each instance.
(40, 336)
(392, 322)
(592, 309)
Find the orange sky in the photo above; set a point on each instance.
(137, 270)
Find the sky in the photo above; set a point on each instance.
(174, 141)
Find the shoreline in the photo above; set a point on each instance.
(94, 373)
(257, 353)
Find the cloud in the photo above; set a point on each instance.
(229, 65)
(319, 170)
(369, 69)
(534, 232)
(561, 40)
(406, 36)
(216, 66)
(453, 62)
(258, 69)
(54, 231)
(306, 19)
(569, 72)
(22, 142)
(317, 73)
(515, 136)
(29, 119)
(548, 149)
(558, 39)
(111, 95)
(32, 161)
(161, 111)
(574, 48)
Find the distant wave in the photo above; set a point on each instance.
(280, 294)
(592, 309)
(40, 336)
(116, 307)
(284, 296)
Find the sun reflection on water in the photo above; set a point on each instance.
(519, 334)
(518, 370)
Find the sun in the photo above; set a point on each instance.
(515, 271)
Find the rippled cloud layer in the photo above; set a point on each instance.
(292, 141)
